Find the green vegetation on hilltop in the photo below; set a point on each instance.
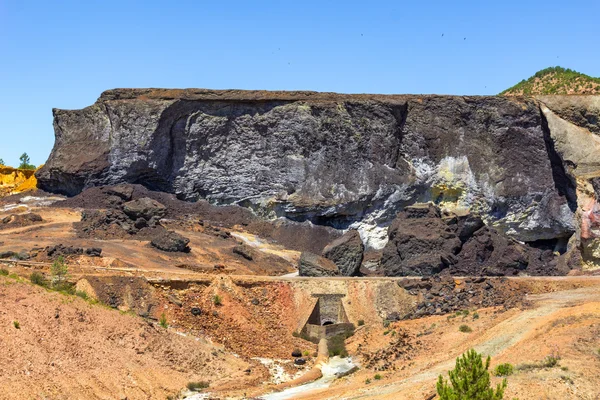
(555, 80)
(25, 162)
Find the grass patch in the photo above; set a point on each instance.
(82, 294)
(465, 328)
(361, 322)
(337, 346)
(505, 369)
(3, 272)
(163, 321)
(377, 377)
(217, 300)
(16, 324)
(37, 278)
(549, 361)
(197, 386)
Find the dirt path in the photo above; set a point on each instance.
(500, 338)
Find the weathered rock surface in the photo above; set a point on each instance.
(524, 167)
(346, 252)
(145, 208)
(348, 161)
(170, 241)
(423, 242)
(311, 264)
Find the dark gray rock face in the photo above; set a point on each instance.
(346, 252)
(424, 242)
(313, 265)
(420, 243)
(348, 161)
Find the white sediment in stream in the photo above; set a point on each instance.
(330, 371)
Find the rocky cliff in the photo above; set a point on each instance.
(347, 161)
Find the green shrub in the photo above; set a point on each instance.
(367, 381)
(377, 377)
(361, 322)
(16, 324)
(505, 369)
(217, 300)
(337, 346)
(386, 323)
(475, 315)
(59, 271)
(197, 386)
(82, 294)
(37, 278)
(469, 380)
(465, 328)
(3, 272)
(163, 321)
(550, 361)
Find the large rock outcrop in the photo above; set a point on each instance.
(346, 252)
(424, 242)
(347, 161)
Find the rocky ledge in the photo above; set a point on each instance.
(527, 167)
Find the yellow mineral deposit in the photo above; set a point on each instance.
(14, 180)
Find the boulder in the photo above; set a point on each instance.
(124, 192)
(311, 264)
(170, 241)
(145, 207)
(424, 242)
(244, 251)
(94, 251)
(487, 252)
(346, 252)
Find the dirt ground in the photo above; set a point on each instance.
(68, 348)
(564, 323)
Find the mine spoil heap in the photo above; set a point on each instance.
(524, 169)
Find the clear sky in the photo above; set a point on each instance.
(65, 53)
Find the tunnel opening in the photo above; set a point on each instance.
(327, 323)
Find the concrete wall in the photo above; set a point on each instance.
(319, 332)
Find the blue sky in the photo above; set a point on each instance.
(65, 53)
